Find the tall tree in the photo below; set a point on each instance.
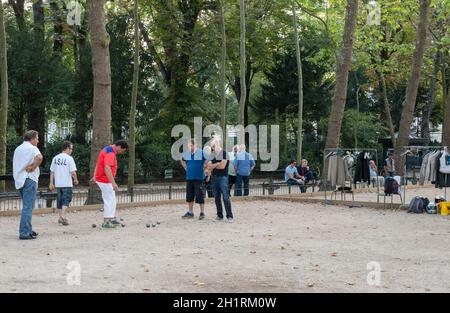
(300, 86)
(102, 82)
(223, 58)
(446, 94)
(132, 152)
(4, 98)
(243, 64)
(412, 87)
(35, 104)
(343, 67)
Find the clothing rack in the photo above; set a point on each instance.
(342, 152)
(426, 149)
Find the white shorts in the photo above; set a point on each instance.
(109, 200)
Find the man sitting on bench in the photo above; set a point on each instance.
(291, 176)
(305, 171)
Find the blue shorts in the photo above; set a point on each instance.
(63, 197)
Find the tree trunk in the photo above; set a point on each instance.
(82, 59)
(411, 89)
(300, 88)
(34, 105)
(134, 94)
(343, 67)
(446, 94)
(431, 100)
(387, 107)
(19, 10)
(4, 98)
(222, 71)
(57, 29)
(101, 70)
(242, 69)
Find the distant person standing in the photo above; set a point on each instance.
(105, 173)
(219, 167)
(232, 169)
(63, 175)
(244, 165)
(26, 161)
(389, 165)
(194, 162)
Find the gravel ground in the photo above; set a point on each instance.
(271, 247)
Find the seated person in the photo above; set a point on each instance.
(291, 176)
(305, 171)
(374, 178)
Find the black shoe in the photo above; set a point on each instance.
(27, 237)
(202, 216)
(34, 234)
(188, 215)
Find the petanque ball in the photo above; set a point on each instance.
(93, 225)
(148, 225)
(153, 225)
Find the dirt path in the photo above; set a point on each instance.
(271, 247)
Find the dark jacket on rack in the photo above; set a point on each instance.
(362, 172)
(441, 179)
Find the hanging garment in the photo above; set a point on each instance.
(423, 168)
(362, 172)
(442, 180)
(430, 172)
(337, 171)
(445, 163)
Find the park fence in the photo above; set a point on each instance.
(11, 201)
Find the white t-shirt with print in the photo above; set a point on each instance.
(62, 167)
(23, 157)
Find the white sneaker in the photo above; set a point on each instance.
(230, 220)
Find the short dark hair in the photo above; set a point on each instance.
(29, 135)
(390, 153)
(122, 143)
(293, 161)
(66, 145)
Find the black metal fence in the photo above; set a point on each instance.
(11, 201)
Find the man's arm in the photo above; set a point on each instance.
(109, 174)
(74, 177)
(36, 162)
(52, 186)
(183, 164)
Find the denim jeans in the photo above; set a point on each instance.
(239, 181)
(220, 189)
(28, 193)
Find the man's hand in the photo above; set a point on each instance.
(92, 180)
(30, 168)
(115, 187)
(75, 182)
(51, 187)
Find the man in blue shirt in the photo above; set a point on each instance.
(291, 176)
(193, 163)
(244, 165)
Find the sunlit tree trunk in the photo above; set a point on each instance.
(343, 67)
(101, 69)
(4, 98)
(134, 94)
(222, 71)
(243, 63)
(300, 87)
(411, 89)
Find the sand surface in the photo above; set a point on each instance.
(271, 247)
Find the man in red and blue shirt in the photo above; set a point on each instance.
(105, 173)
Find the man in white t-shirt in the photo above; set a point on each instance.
(62, 171)
(26, 161)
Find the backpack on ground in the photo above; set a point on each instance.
(418, 205)
(390, 186)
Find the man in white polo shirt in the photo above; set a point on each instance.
(26, 161)
(62, 171)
